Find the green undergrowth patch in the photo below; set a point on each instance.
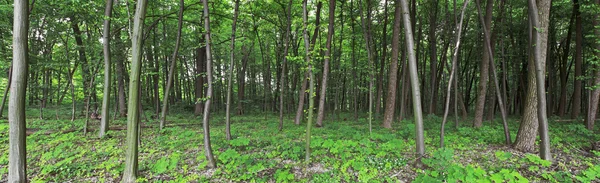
(342, 151)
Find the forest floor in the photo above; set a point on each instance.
(342, 151)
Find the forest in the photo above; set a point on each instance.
(299, 91)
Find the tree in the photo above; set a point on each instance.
(433, 56)
(578, 60)
(528, 129)
(163, 114)
(414, 80)
(538, 50)
(311, 87)
(133, 112)
(206, 117)
(484, 71)
(285, 53)
(107, 71)
(388, 115)
(321, 111)
(453, 70)
(17, 155)
(591, 117)
(230, 71)
(366, 22)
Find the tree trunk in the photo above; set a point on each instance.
(367, 35)
(17, 157)
(528, 129)
(416, 93)
(433, 56)
(540, 42)
(133, 112)
(484, 72)
(163, 115)
(382, 62)
(321, 111)
(107, 71)
(578, 61)
(206, 117)
(311, 87)
(388, 116)
(453, 71)
(6, 91)
(230, 70)
(199, 84)
(285, 53)
(591, 117)
(305, 79)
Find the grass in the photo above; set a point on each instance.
(342, 151)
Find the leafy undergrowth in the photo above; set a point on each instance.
(342, 151)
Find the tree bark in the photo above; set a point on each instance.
(321, 111)
(528, 129)
(591, 117)
(578, 61)
(538, 50)
(17, 154)
(200, 76)
(305, 79)
(311, 87)
(416, 93)
(6, 91)
(453, 71)
(163, 115)
(230, 71)
(390, 105)
(121, 82)
(484, 72)
(382, 62)
(284, 64)
(206, 117)
(133, 112)
(433, 56)
(367, 35)
(104, 120)
(564, 74)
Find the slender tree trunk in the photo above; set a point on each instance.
(6, 91)
(528, 129)
(484, 73)
(382, 62)
(230, 70)
(199, 82)
(133, 112)
(321, 111)
(206, 117)
(492, 64)
(578, 61)
(163, 115)
(285, 53)
(539, 49)
(17, 155)
(453, 71)
(388, 116)
(416, 93)
(433, 56)
(305, 79)
(366, 34)
(311, 102)
(591, 117)
(104, 120)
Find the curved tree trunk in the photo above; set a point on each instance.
(133, 112)
(206, 117)
(230, 71)
(107, 71)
